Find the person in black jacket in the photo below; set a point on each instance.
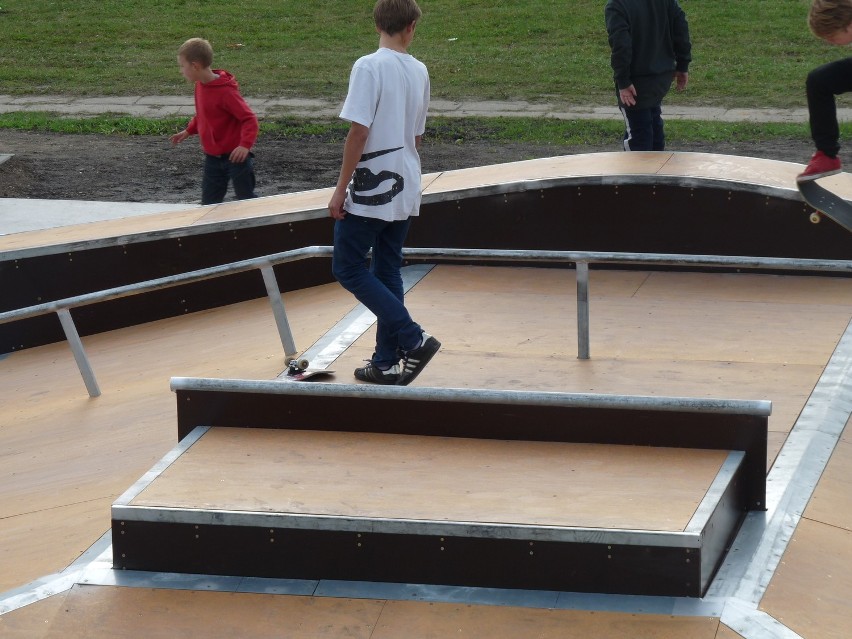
(651, 48)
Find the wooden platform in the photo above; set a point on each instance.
(765, 326)
(375, 506)
(709, 335)
(695, 203)
(88, 612)
(382, 477)
(687, 169)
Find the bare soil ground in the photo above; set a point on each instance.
(149, 169)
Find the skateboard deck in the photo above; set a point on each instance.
(826, 203)
(302, 375)
(298, 371)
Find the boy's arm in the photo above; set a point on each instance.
(681, 40)
(621, 46)
(682, 45)
(249, 127)
(353, 149)
(180, 136)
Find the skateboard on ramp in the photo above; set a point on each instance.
(826, 204)
(298, 370)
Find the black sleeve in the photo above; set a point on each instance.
(620, 43)
(680, 38)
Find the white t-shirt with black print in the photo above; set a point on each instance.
(389, 94)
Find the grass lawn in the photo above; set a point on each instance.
(746, 53)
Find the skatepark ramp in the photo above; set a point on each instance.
(651, 203)
(503, 489)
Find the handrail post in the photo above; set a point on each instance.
(582, 310)
(76, 344)
(274, 293)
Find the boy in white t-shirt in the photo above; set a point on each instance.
(378, 191)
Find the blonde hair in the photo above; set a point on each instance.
(827, 17)
(197, 50)
(392, 16)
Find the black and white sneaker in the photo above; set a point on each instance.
(415, 360)
(374, 374)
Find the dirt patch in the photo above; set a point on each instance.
(149, 169)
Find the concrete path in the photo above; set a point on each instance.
(164, 106)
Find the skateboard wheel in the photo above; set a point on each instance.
(815, 217)
(302, 364)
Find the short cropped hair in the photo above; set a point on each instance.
(827, 17)
(197, 50)
(392, 16)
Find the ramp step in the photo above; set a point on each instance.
(311, 504)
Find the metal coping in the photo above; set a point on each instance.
(761, 408)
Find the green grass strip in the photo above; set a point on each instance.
(442, 129)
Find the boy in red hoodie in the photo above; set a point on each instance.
(223, 121)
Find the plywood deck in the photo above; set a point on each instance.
(811, 589)
(64, 457)
(163, 614)
(374, 476)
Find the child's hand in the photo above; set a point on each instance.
(239, 155)
(628, 95)
(177, 138)
(681, 80)
(335, 205)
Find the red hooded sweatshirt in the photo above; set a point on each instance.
(222, 119)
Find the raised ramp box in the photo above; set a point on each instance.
(540, 491)
(655, 202)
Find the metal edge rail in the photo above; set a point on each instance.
(760, 408)
(582, 260)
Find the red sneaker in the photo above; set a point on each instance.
(820, 166)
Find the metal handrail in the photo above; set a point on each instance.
(582, 260)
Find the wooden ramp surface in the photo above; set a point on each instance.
(88, 612)
(378, 476)
(66, 457)
(748, 174)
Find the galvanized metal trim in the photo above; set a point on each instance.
(761, 408)
(627, 179)
(763, 537)
(752, 623)
(51, 585)
(653, 259)
(395, 526)
(714, 493)
(583, 349)
(157, 469)
(79, 352)
(273, 292)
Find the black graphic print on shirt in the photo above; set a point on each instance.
(366, 180)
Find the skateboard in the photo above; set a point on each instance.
(826, 203)
(298, 371)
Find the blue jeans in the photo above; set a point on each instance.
(379, 286)
(218, 170)
(643, 129)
